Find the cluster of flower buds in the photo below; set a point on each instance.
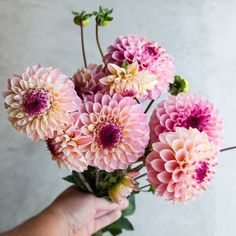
(102, 16)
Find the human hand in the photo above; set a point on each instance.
(84, 214)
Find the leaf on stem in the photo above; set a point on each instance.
(131, 207)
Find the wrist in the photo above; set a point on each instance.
(57, 220)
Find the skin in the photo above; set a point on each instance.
(73, 213)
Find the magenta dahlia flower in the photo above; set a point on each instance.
(39, 101)
(182, 164)
(87, 79)
(186, 110)
(66, 148)
(119, 130)
(150, 56)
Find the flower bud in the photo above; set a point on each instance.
(124, 187)
(180, 85)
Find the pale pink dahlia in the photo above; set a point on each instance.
(186, 110)
(128, 81)
(182, 164)
(87, 79)
(119, 130)
(149, 55)
(39, 101)
(66, 148)
(124, 187)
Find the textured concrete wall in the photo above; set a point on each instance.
(201, 36)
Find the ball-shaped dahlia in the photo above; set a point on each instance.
(186, 110)
(128, 82)
(181, 165)
(66, 148)
(119, 130)
(124, 187)
(86, 80)
(39, 101)
(149, 55)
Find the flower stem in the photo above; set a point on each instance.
(86, 184)
(137, 100)
(227, 149)
(98, 42)
(149, 105)
(137, 168)
(141, 176)
(82, 44)
(96, 178)
(147, 185)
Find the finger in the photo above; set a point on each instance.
(107, 219)
(123, 204)
(103, 204)
(100, 213)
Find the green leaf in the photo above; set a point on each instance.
(123, 223)
(152, 190)
(70, 179)
(114, 231)
(131, 207)
(99, 233)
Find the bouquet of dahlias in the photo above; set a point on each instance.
(94, 124)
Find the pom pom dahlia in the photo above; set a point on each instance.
(119, 130)
(186, 110)
(66, 148)
(128, 81)
(149, 55)
(182, 164)
(124, 187)
(86, 80)
(39, 101)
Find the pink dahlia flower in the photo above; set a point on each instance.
(182, 164)
(128, 82)
(186, 110)
(87, 79)
(150, 56)
(124, 187)
(119, 130)
(66, 148)
(39, 101)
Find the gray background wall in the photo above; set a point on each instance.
(200, 34)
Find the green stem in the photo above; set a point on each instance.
(227, 149)
(149, 105)
(82, 44)
(85, 182)
(137, 100)
(145, 186)
(96, 178)
(141, 176)
(137, 168)
(98, 42)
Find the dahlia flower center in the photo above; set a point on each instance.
(201, 171)
(151, 51)
(109, 134)
(36, 102)
(193, 122)
(128, 93)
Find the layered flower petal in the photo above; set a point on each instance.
(39, 101)
(118, 127)
(186, 110)
(67, 148)
(150, 56)
(86, 80)
(180, 173)
(128, 81)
